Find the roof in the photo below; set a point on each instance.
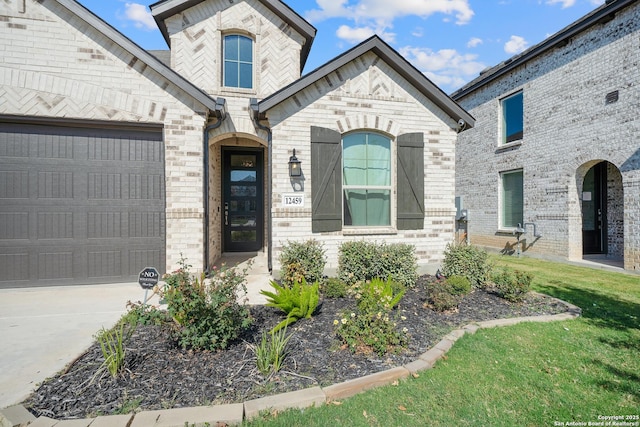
(602, 14)
(393, 59)
(151, 61)
(167, 8)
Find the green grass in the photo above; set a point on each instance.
(530, 374)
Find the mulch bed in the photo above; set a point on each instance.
(160, 375)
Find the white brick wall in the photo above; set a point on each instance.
(54, 65)
(373, 97)
(567, 129)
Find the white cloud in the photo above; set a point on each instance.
(140, 16)
(565, 3)
(355, 35)
(474, 42)
(515, 45)
(384, 12)
(446, 68)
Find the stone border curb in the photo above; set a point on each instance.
(235, 414)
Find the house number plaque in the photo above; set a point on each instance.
(293, 200)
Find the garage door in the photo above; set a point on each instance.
(79, 204)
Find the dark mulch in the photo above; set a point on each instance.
(160, 375)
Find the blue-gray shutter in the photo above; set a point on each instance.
(410, 149)
(326, 180)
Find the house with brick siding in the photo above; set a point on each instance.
(113, 158)
(552, 167)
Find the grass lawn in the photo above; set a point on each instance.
(532, 374)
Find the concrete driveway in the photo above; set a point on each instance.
(43, 329)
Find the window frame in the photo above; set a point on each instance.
(502, 200)
(516, 137)
(390, 188)
(238, 61)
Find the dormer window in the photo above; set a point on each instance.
(238, 62)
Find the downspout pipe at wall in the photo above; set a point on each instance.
(220, 114)
(255, 116)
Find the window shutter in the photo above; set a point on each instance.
(326, 180)
(410, 186)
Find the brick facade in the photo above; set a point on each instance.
(570, 125)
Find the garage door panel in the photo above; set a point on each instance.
(79, 205)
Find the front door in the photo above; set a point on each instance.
(243, 200)
(594, 210)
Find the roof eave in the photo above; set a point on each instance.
(166, 8)
(595, 17)
(138, 52)
(391, 57)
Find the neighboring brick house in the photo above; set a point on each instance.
(113, 158)
(557, 143)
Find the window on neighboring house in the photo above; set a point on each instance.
(238, 62)
(512, 199)
(512, 118)
(366, 179)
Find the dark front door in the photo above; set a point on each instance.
(594, 210)
(243, 200)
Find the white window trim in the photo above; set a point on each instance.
(233, 89)
(372, 229)
(502, 145)
(501, 227)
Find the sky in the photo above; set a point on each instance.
(450, 41)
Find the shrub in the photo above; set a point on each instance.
(360, 261)
(363, 331)
(468, 261)
(372, 326)
(334, 288)
(443, 296)
(145, 314)
(304, 260)
(377, 295)
(207, 311)
(297, 301)
(459, 285)
(512, 285)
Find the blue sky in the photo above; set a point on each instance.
(450, 41)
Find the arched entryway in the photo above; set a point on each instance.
(602, 207)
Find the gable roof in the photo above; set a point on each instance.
(392, 58)
(151, 61)
(167, 8)
(602, 14)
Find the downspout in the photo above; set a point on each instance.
(255, 116)
(221, 114)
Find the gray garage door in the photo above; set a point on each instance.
(79, 204)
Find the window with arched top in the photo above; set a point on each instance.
(238, 61)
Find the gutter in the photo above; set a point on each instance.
(220, 112)
(255, 116)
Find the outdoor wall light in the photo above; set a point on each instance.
(295, 171)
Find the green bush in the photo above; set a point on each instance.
(297, 301)
(459, 285)
(443, 296)
(360, 261)
(334, 288)
(112, 343)
(208, 312)
(302, 260)
(146, 314)
(372, 326)
(512, 285)
(468, 261)
(377, 295)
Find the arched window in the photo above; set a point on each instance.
(238, 61)
(366, 183)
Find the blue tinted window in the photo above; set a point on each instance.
(512, 118)
(238, 62)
